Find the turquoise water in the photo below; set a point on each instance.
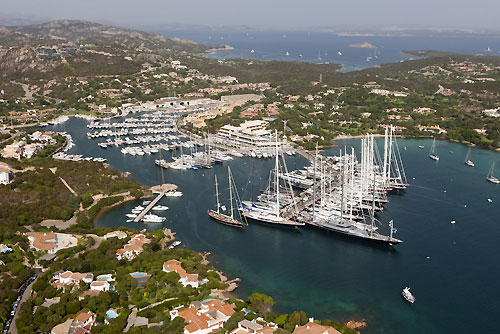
(273, 45)
(451, 268)
(111, 314)
(138, 275)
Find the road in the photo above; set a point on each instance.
(26, 294)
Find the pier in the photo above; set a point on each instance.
(160, 190)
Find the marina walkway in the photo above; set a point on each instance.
(149, 207)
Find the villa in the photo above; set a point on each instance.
(51, 242)
(313, 328)
(64, 279)
(133, 247)
(205, 317)
(81, 324)
(5, 249)
(186, 279)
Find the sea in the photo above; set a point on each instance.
(452, 269)
(322, 47)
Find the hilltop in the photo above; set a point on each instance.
(82, 32)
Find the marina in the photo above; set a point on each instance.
(367, 277)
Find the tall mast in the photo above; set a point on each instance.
(389, 156)
(230, 190)
(352, 183)
(217, 194)
(314, 181)
(161, 169)
(373, 206)
(343, 184)
(277, 185)
(385, 156)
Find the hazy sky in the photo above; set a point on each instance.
(482, 14)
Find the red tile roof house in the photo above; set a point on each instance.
(63, 279)
(81, 324)
(84, 320)
(133, 247)
(204, 318)
(314, 328)
(186, 279)
(43, 241)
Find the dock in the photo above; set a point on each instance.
(160, 190)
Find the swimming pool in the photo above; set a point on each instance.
(138, 274)
(111, 314)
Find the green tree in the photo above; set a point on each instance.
(261, 303)
(297, 318)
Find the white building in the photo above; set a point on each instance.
(115, 234)
(251, 134)
(4, 174)
(100, 286)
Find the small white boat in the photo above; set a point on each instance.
(408, 295)
(174, 193)
(138, 208)
(420, 146)
(160, 208)
(131, 215)
(146, 202)
(151, 218)
(174, 244)
(490, 200)
(453, 222)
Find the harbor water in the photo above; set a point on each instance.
(321, 47)
(452, 269)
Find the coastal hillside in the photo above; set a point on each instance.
(82, 32)
(62, 48)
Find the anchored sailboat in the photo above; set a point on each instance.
(432, 153)
(269, 210)
(490, 176)
(467, 161)
(220, 217)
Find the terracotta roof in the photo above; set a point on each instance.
(82, 317)
(43, 240)
(174, 265)
(196, 320)
(314, 328)
(220, 306)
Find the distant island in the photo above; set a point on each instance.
(364, 45)
(214, 50)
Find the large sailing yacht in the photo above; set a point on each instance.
(468, 161)
(220, 217)
(432, 153)
(344, 224)
(490, 176)
(270, 211)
